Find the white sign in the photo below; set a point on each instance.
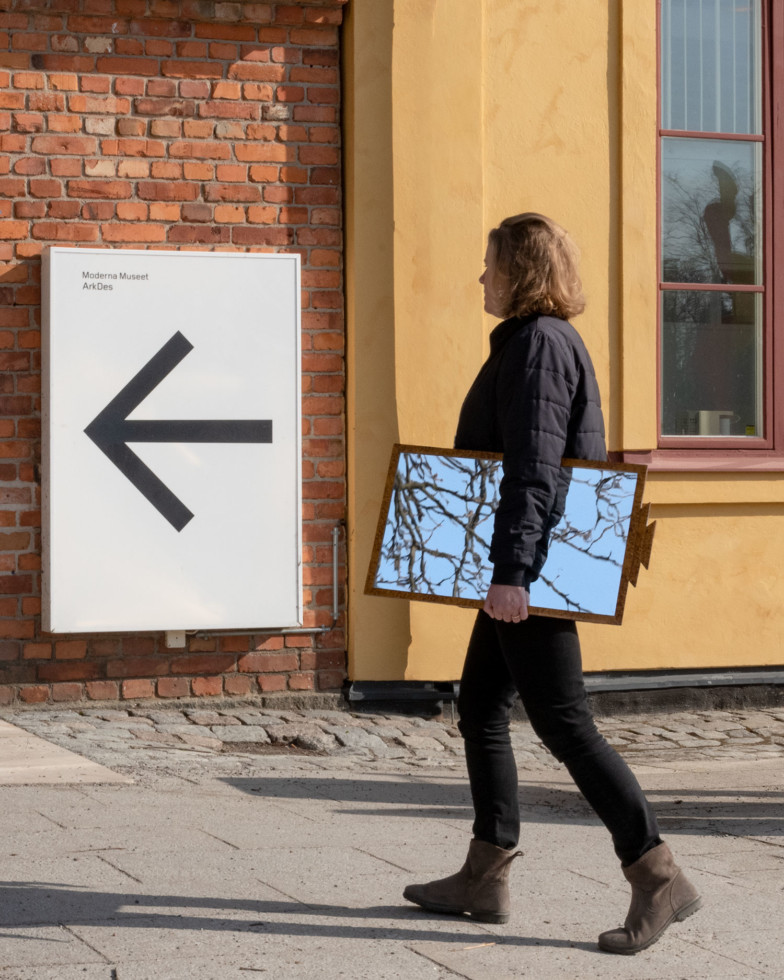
(171, 440)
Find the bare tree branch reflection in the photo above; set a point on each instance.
(440, 522)
(710, 234)
(710, 237)
(604, 540)
(425, 502)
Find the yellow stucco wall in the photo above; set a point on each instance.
(458, 114)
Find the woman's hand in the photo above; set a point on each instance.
(507, 602)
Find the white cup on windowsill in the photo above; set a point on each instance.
(715, 423)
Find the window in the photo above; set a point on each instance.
(715, 372)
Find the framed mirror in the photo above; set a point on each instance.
(436, 522)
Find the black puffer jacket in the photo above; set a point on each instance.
(535, 400)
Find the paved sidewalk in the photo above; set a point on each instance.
(265, 841)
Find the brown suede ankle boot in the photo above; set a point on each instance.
(480, 889)
(661, 894)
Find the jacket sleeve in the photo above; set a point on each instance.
(535, 391)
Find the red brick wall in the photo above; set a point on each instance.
(168, 124)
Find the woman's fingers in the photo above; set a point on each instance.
(509, 603)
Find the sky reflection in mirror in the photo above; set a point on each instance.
(439, 525)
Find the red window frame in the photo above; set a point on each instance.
(767, 452)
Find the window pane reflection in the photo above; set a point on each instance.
(710, 65)
(711, 364)
(710, 211)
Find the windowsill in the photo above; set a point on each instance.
(704, 461)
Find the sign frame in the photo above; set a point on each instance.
(119, 432)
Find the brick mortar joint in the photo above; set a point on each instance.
(217, 702)
(48, 689)
(211, 10)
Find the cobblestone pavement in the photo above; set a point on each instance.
(223, 738)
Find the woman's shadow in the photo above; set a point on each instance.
(28, 904)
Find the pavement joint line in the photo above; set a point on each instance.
(84, 942)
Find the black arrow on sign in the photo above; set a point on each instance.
(111, 430)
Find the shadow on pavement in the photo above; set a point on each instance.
(400, 797)
(692, 811)
(70, 906)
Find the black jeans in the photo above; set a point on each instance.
(539, 659)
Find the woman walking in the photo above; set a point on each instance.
(536, 400)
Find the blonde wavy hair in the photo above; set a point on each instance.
(536, 263)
